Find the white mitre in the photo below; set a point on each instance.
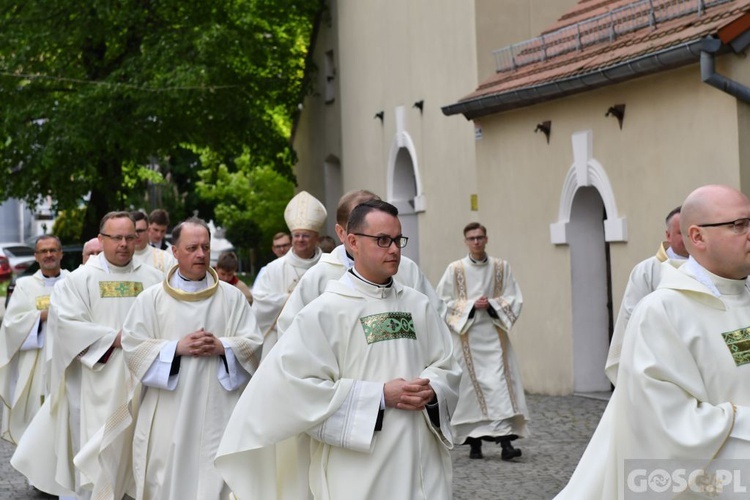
(304, 211)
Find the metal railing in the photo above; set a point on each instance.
(605, 27)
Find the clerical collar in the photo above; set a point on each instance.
(180, 288)
(110, 268)
(379, 285)
(203, 279)
(50, 281)
(674, 256)
(481, 261)
(718, 285)
(316, 255)
(343, 256)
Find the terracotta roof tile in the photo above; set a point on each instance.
(604, 54)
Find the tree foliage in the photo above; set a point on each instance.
(68, 226)
(94, 90)
(260, 194)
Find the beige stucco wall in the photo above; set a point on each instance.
(395, 54)
(678, 134)
(317, 136)
(504, 22)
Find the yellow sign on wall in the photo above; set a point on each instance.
(474, 202)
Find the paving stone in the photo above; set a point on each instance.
(560, 430)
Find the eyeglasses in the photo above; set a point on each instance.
(739, 226)
(281, 247)
(386, 241)
(130, 238)
(45, 251)
(301, 236)
(475, 238)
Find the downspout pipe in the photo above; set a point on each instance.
(709, 48)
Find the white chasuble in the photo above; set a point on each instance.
(155, 257)
(682, 390)
(325, 378)
(178, 429)
(491, 400)
(643, 279)
(331, 267)
(271, 291)
(89, 385)
(24, 342)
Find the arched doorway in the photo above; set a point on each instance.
(591, 291)
(588, 221)
(402, 194)
(404, 185)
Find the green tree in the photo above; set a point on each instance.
(69, 226)
(93, 90)
(248, 195)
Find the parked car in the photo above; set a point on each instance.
(72, 258)
(5, 271)
(20, 256)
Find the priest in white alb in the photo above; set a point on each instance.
(644, 278)
(367, 371)
(333, 265)
(145, 253)
(24, 340)
(483, 303)
(305, 216)
(90, 383)
(682, 391)
(193, 342)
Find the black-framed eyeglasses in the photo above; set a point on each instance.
(130, 238)
(45, 251)
(739, 226)
(387, 241)
(475, 238)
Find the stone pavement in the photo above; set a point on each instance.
(560, 427)
(560, 430)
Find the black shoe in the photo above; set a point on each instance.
(476, 447)
(500, 439)
(509, 452)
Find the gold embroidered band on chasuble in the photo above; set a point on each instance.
(111, 289)
(738, 342)
(42, 303)
(388, 326)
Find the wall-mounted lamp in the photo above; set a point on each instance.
(545, 127)
(618, 111)
(380, 114)
(419, 105)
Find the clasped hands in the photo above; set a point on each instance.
(200, 343)
(408, 394)
(482, 303)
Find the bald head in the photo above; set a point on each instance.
(90, 248)
(723, 249)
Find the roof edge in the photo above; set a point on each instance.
(670, 58)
